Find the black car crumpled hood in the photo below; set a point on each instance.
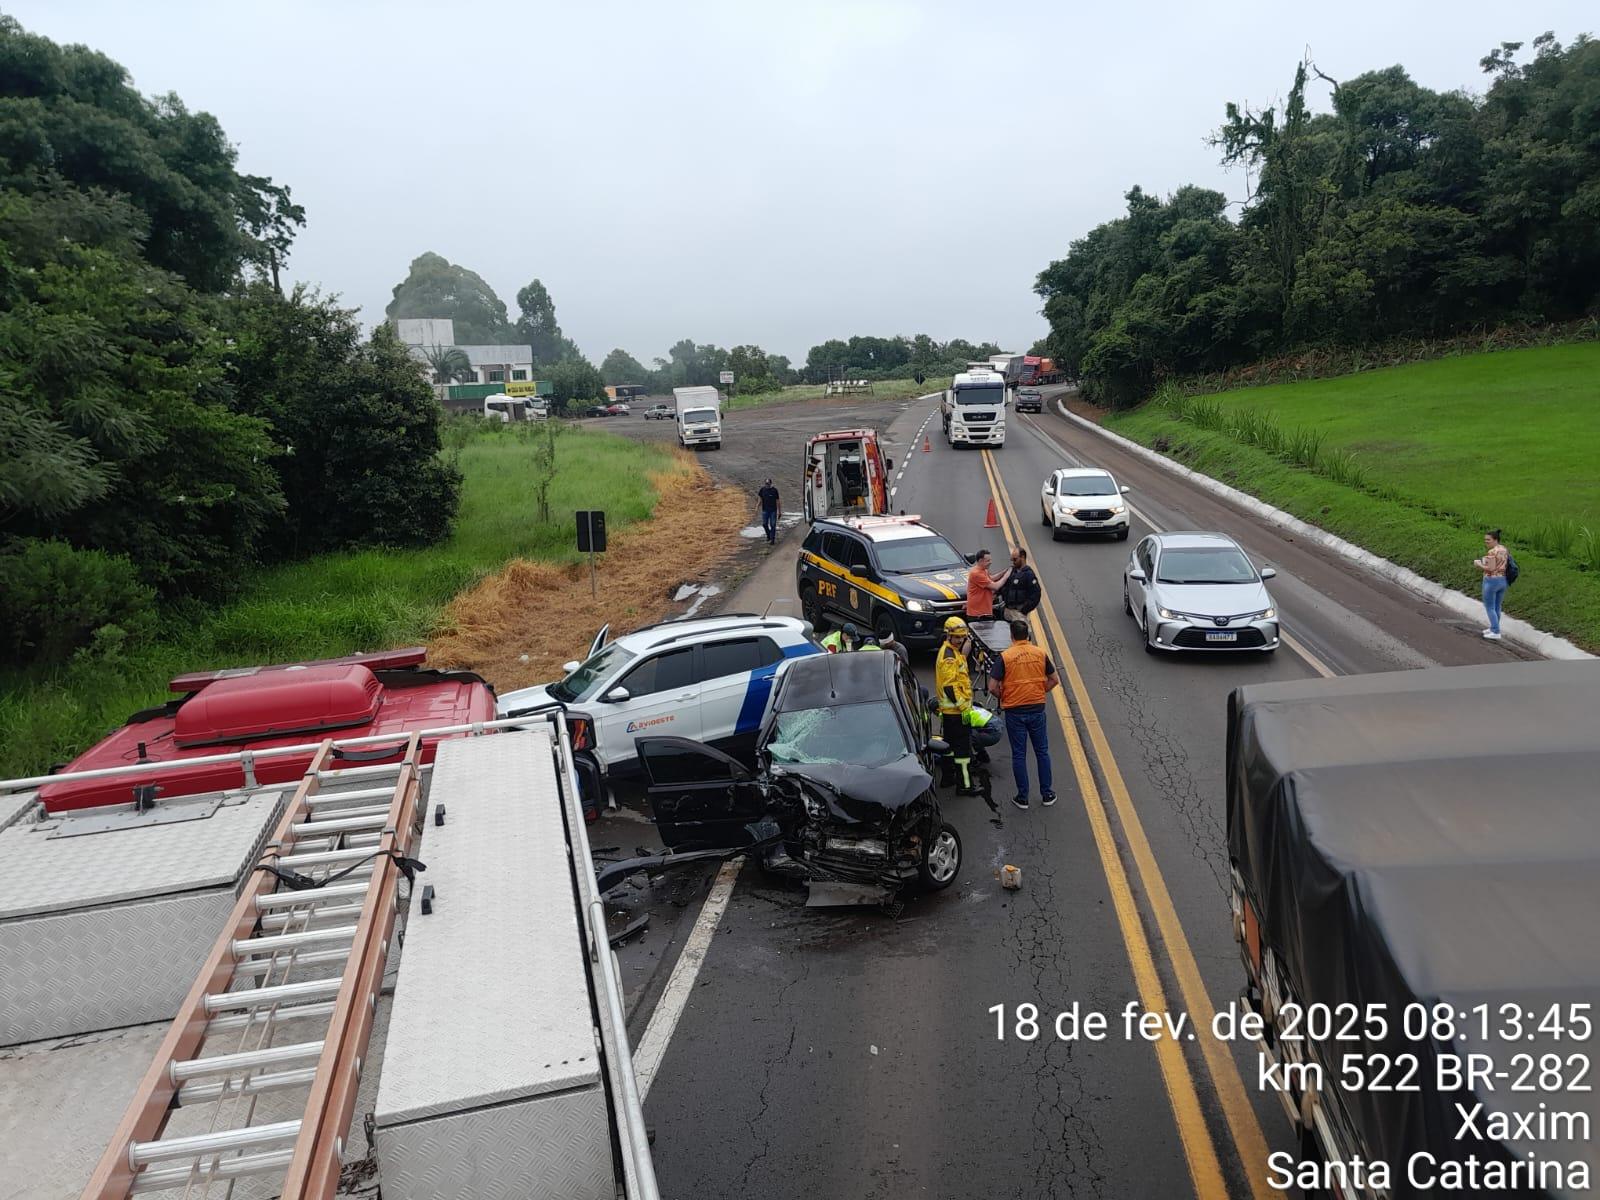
(857, 795)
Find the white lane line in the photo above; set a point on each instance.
(680, 985)
(1311, 660)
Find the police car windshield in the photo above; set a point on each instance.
(586, 680)
(919, 554)
(859, 735)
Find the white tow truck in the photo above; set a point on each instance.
(973, 408)
(307, 969)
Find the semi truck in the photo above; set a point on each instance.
(1413, 895)
(1008, 366)
(1037, 371)
(699, 417)
(973, 408)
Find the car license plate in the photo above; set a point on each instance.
(1222, 637)
(1094, 522)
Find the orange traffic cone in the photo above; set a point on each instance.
(992, 521)
(927, 446)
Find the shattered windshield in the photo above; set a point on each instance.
(859, 735)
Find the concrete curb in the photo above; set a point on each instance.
(1516, 631)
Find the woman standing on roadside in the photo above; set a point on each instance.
(1493, 565)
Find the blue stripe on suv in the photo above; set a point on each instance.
(760, 687)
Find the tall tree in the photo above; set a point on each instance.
(537, 326)
(358, 428)
(448, 363)
(69, 113)
(621, 367)
(436, 287)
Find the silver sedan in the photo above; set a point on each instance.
(1199, 591)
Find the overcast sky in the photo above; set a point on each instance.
(768, 171)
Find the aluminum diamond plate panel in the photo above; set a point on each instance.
(44, 874)
(544, 1146)
(102, 968)
(492, 1000)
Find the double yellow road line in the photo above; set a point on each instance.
(1199, 1148)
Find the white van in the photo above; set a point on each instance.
(513, 408)
(699, 416)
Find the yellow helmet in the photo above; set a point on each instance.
(954, 626)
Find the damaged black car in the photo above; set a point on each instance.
(842, 796)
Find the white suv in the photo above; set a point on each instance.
(706, 679)
(1084, 500)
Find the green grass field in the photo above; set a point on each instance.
(1414, 462)
(342, 603)
(887, 390)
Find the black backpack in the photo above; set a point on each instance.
(1512, 570)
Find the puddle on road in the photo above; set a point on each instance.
(701, 593)
(786, 520)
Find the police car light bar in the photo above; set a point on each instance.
(885, 519)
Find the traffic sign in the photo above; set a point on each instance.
(919, 377)
(592, 531)
(726, 377)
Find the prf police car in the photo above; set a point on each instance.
(887, 574)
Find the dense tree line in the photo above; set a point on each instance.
(1402, 212)
(689, 364)
(894, 357)
(168, 418)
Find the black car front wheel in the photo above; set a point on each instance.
(941, 862)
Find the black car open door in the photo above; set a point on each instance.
(700, 797)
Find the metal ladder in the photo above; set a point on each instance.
(285, 1001)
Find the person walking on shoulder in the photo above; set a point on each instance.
(1023, 675)
(769, 511)
(1020, 596)
(1495, 565)
(981, 587)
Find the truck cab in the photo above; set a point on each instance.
(974, 409)
(846, 474)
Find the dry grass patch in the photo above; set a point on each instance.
(518, 626)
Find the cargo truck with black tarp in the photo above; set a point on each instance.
(1416, 886)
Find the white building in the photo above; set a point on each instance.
(490, 364)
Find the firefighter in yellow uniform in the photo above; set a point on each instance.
(953, 684)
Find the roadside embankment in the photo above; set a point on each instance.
(1413, 463)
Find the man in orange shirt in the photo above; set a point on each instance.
(981, 587)
(1022, 676)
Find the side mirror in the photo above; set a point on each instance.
(569, 668)
(616, 695)
(1269, 572)
(938, 746)
(1125, 489)
(1137, 573)
(971, 558)
(888, 464)
(1050, 488)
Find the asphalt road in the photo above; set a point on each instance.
(853, 1053)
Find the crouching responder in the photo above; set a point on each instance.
(954, 687)
(843, 640)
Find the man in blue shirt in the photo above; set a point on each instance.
(769, 511)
